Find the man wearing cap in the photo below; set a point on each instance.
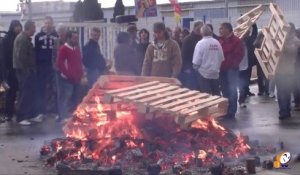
(163, 57)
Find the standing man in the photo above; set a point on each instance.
(24, 63)
(44, 42)
(70, 72)
(93, 59)
(285, 72)
(163, 57)
(143, 44)
(233, 52)
(176, 36)
(207, 60)
(188, 75)
(249, 40)
(8, 44)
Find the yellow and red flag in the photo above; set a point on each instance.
(177, 10)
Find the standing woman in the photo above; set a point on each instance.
(142, 47)
(8, 43)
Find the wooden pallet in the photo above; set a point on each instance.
(275, 35)
(245, 22)
(186, 105)
(111, 82)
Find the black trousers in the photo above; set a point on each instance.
(243, 85)
(262, 81)
(211, 86)
(11, 94)
(26, 106)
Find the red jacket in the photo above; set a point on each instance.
(233, 50)
(69, 63)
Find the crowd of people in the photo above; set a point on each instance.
(219, 65)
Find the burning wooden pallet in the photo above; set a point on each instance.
(111, 82)
(246, 21)
(185, 104)
(273, 43)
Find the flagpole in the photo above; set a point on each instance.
(29, 10)
(226, 9)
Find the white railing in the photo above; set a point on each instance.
(109, 32)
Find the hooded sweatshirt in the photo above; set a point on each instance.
(43, 47)
(162, 60)
(8, 45)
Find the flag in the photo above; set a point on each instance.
(145, 8)
(177, 10)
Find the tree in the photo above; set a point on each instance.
(119, 8)
(92, 10)
(78, 15)
(87, 10)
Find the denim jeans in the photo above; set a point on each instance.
(211, 86)
(297, 84)
(27, 105)
(92, 76)
(229, 85)
(189, 79)
(284, 84)
(67, 94)
(44, 81)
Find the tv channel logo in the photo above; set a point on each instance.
(281, 161)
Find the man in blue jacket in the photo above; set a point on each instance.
(44, 42)
(93, 59)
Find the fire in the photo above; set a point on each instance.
(117, 134)
(114, 158)
(202, 155)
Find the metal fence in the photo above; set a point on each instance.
(108, 37)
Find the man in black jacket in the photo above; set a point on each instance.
(10, 75)
(93, 59)
(252, 60)
(188, 75)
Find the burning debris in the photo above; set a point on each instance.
(100, 137)
(115, 138)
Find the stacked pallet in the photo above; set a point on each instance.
(185, 105)
(245, 22)
(111, 82)
(275, 35)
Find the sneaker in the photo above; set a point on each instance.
(250, 94)
(272, 95)
(297, 107)
(38, 118)
(243, 105)
(3, 119)
(260, 94)
(25, 123)
(284, 117)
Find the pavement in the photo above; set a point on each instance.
(20, 145)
